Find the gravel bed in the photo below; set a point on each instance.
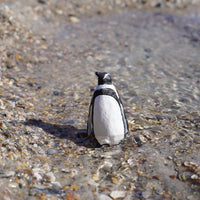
(49, 51)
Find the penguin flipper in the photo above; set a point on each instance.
(125, 121)
(90, 117)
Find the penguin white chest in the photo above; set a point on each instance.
(107, 120)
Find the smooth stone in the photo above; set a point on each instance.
(70, 122)
(7, 174)
(50, 176)
(12, 185)
(107, 165)
(117, 194)
(51, 151)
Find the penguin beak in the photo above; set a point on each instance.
(97, 73)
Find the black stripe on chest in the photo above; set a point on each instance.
(106, 91)
(112, 93)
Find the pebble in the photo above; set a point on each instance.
(194, 177)
(56, 184)
(117, 194)
(142, 139)
(22, 183)
(110, 154)
(169, 157)
(73, 172)
(34, 191)
(90, 59)
(196, 139)
(2, 107)
(70, 122)
(42, 1)
(37, 174)
(132, 162)
(3, 126)
(146, 194)
(191, 197)
(13, 185)
(50, 176)
(73, 19)
(190, 164)
(138, 140)
(56, 93)
(28, 130)
(107, 165)
(7, 174)
(118, 179)
(6, 197)
(51, 151)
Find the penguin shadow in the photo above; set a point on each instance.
(69, 132)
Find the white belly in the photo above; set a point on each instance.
(107, 120)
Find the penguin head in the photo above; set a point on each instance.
(103, 78)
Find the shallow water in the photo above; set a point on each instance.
(154, 61)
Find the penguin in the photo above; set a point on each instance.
(106, 120)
